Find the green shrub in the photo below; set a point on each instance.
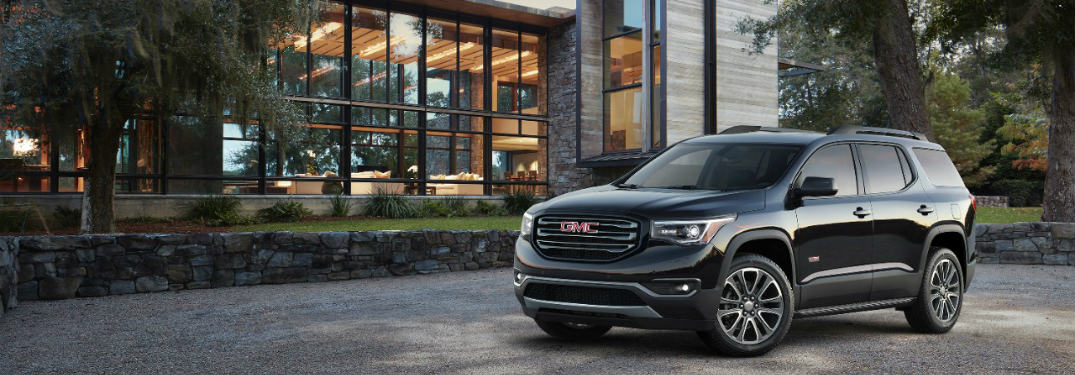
(1021, 193)
(285, 211)
(488, 209)
(341, 206)
(67, 217)
(390, 205)
(445, 207)
(216, 210)
(518, 202)
(11, 220)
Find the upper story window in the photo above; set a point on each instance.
(624, 65)
(393, 51)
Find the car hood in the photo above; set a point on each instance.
(656, 203)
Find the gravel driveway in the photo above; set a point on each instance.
(1016, 319)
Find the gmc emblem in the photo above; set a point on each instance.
(577, 227)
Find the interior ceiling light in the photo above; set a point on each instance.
(379, 46)
(504, 60)
(318, 34)
(450, 51)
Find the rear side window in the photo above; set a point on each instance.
(834, 162)
(938, 167)
(883, 168)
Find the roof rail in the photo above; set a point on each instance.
(740, 129)
(850, 129)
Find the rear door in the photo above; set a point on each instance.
(832, 244)
(902, 215)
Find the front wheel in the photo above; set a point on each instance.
(572, 331)
(755, 308)
(940, 298)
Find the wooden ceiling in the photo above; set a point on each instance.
(370, 45)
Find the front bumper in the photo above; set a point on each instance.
(656, 311)
(694, 311)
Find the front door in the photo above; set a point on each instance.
(833, 247)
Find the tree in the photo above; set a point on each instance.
(958, 127)
(847, 92)
(885, 25)
(1038, 32)
(95, 64)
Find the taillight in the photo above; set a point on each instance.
(973, 202)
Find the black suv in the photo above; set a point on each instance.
(732, 235)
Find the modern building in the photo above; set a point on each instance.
(447, 97)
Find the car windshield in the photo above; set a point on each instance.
(715, 167)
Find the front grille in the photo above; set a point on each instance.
(582, 294)
(585, 237)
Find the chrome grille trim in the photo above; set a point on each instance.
(614, 236)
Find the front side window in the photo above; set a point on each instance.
(834, 162)
(722, 167)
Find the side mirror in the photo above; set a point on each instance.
(817, 187)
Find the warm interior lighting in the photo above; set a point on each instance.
(379, 46)
(318, 34)
(449, 52)
(504, 59)
(530, 73)
(23, 146)
(367, 80)
(319, 71)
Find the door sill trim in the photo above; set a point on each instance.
(853, 307)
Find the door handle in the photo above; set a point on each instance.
(861, 213)
(925, 210)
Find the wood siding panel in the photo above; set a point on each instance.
(747, 92)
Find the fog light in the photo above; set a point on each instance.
(519, 276)
(672, 287)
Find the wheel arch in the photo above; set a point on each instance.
(774, 244)
(950, 236)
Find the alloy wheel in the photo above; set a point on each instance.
(944, 291)
(751, 306)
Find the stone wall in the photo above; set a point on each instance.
(1026, 243)
(9, 261)
(991, 200)
(564, 176)
(59, 267)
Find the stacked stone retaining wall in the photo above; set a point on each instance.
(58, 267)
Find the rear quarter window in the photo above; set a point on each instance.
(938, 167)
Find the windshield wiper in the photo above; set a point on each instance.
(678, 187)
(627, 186)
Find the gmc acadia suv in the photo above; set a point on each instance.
(734, 234)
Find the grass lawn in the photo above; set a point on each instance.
(462, 223)
(1005, 215)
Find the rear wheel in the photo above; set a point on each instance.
(572, 331)
(755, 308)
(940, 298)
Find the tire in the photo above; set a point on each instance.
(572, 331)
(936, 308)
(762, 329)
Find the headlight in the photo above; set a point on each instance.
(689, 232)
(527, 226)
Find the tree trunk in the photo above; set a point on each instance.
(1059, 202)
(895, 55)
(98, 212)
